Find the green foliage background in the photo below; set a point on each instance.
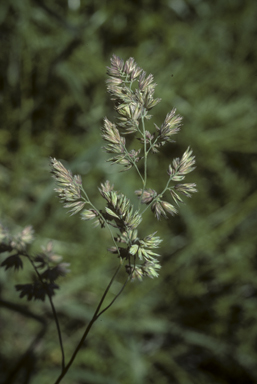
(196, 323)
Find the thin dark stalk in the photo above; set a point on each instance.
(94, 318)
(118, 294)
(54, 312)
(58, 330)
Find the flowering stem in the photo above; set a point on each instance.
(152, 144)
(118, 294)
(158, 196)
(94, 318)
(138, 171)
(133, 162)
(145, 157)
(145, 163)
(167, 185)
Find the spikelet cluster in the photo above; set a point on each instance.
(68, 187)
(133, 93)
(138, 249)
(119, 209)
(177, 172)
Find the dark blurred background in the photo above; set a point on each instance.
(196, 323)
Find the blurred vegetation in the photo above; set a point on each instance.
(196, 323)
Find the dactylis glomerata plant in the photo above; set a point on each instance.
(133, 94)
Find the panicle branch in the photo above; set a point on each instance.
(132, 92)
(180, 167)
(68, 187)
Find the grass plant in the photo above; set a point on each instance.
(132, 92)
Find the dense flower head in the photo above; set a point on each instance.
(131, 105)
(68, 187)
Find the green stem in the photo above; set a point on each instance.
(145, 163)
(118, 294)
(145, 155)
(136, 167)
(134, 163)
(99, 213)
(141, 177)
(94, 318)
(87, 198)
(158, 196)
(152, 144)
(166, 187)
